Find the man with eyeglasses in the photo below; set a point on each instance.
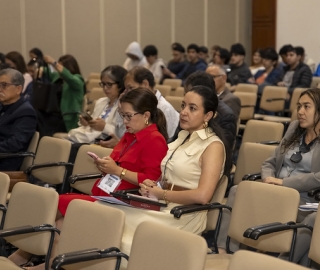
(18, 119)
(220, 78)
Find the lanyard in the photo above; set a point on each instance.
(125, 150)
(106, 113)
(165, 166)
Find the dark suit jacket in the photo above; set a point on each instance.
(17, 126)
(232, 101)
(303, 182)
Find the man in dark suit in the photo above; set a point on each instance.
(17, 119)
(224, 94)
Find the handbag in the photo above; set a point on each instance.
(46, 95)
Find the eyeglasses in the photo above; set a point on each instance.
(107, 84)
(296, 156)
(127, 116)
(4, 85)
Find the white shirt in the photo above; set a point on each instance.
(114, 124)
(172, 116)
(156, 69)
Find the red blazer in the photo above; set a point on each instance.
(142, 153)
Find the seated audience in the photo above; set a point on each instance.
(213, 51)
(283, 54)
(17, 119)
(105, 119)
(224, 94)
(225, 117)
(135, 57)
(154, 64)
(15, 60)
(3, 63)
(178, 61)
(194, 64)
(68, 73)
(296, 73)
(36, 54)
(257, 62)
(294, 164)
(222, 58)
(141, 77)
(306, 59)
(271, 72)
(240, 72)
(135, 158)
(203, 53)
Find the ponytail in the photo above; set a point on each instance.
(160, 120)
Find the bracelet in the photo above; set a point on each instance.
(123, 173)
(165, 196)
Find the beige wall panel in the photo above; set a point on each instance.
(10, 28)
(156, 26)
(43, 27)
(120, 29)
(245, 22)
(189, 22)
(221, 23)
(83, 33)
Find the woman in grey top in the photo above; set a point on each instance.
(295, 164)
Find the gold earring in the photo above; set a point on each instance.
(205, 124)
(146, 122)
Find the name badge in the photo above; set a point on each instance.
(109, 183)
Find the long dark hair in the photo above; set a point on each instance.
(210, 102)
(18, 60)
(314, 94)
(143, 100)
(70, 63)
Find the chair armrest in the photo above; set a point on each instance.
(249, 231)
(269, 228)
(270, 142)
(13, 155)
(81, 177)
(178, 211)
(28, 229)
(47, 165)
(275, 99)
(3, 208)
(87, 255)
(252, 176)
(313, 192)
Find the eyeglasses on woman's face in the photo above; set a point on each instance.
(107, 84)
(127, 116)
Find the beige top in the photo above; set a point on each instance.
(183, 167)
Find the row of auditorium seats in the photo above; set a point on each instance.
(31, 206)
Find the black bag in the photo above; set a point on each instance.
(46, 95)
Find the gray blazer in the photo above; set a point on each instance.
(232, 101)
(304, 182)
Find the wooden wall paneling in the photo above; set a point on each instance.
(189, 22)
(10, 26)
(156, 26)
(120, 23)
(83, 33)
(43, 27)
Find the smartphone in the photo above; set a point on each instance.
(102, 137)
(86, 116)
(92, 155)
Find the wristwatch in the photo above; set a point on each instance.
(123, 173)
(54, 63)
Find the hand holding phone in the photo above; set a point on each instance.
(92, 155)
(86, 116)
